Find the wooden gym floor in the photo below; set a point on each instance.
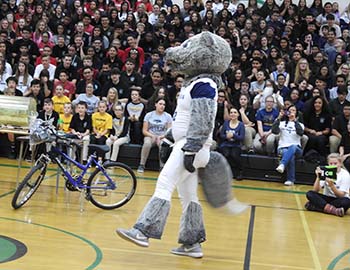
(276, 233)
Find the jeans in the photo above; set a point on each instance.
(289, 154)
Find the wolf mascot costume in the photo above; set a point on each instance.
(202, 58)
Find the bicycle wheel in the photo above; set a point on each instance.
(100, 190)
(29, 185)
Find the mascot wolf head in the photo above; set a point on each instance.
(203, 53)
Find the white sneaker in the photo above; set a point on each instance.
(194, 251)
(288, 183)
(280, 168)
(135, 236)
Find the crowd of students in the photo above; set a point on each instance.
(103, 60)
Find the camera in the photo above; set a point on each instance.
(328, 172)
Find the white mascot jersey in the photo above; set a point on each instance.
(182, 115)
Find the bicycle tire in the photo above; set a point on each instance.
(26, 188)
(99, 193)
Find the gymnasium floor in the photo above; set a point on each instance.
(276, 233)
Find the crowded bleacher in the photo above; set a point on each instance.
(97, 66)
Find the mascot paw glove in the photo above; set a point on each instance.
(164, 151)
(188, 161)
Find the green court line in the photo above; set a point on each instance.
(270, 189)
(155, 179)
(7, 193)
(97, 250)
(337, 259)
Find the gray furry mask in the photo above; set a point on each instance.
(205, 53)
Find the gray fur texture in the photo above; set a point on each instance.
(203, 111)
(202, 53)
(152, 220)
(191, 226)
(216, 180)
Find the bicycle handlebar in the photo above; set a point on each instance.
(53, 131)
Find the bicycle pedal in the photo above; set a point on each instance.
(87, 197)
(71, 187)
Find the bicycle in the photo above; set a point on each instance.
(110, 185)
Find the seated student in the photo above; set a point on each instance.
(35, 92)
(135, 111)
(80, 126)
(66, 118)
(318, 125)
(154, 128)
(264, 141)
(68, 86)
(336, 105)
(101, 126)
(290, 131)
(232, 135)
(247, 116)
(59, 99)
(47, 114)
(120, 132)
(344, 147)
(335, 198)
(11, 83)
(339, 129)
(89, 98)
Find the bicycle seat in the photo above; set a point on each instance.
(100, 148)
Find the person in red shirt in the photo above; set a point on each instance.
(46, 51)
(133, 45)
(68, 87)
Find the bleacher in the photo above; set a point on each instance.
(256, 167)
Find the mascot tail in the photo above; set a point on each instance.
(216, 180)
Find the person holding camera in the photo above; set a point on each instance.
(335, 199)
(289, 144)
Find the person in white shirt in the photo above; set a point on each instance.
(289, 144)
(153, 17)
(45, 64)
(335, 199)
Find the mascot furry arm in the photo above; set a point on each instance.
(203, 111)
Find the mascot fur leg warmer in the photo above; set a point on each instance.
(191, 226)
(152, 220)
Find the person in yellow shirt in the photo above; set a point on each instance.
(102, 123)
(59, 99)
(66, 118)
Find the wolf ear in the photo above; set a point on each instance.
(207, 39)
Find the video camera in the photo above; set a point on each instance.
(328, 172)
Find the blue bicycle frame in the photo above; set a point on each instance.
(77, 182)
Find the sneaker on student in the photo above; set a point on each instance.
(194, 251)
(134, 235)
(141, 169)
(288, 183)
(280, 168)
